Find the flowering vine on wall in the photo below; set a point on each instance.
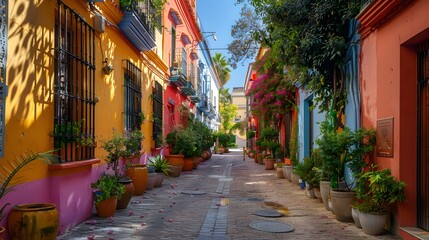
(273, 90)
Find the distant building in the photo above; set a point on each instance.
(239, 99)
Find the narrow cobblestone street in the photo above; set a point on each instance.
(218, 201)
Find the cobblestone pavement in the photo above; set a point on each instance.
(231, 191)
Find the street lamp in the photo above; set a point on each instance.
(211, 34)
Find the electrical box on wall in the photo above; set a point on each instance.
(99, 23)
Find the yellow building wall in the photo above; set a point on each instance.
(30, 77)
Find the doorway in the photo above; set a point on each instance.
(423, 137)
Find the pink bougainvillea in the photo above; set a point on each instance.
(273, 91)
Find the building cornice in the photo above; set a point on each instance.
(378, 12)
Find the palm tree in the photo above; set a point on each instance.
(222, 67)
(224, 96)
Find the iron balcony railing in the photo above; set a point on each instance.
(138, 23)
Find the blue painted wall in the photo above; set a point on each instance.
(303, 123)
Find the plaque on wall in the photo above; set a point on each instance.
(385, 137)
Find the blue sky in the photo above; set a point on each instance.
(218, 16)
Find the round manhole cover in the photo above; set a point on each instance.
(271, 226)
(268, 213)
(193, 192)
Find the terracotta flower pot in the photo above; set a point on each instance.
(139, 174)
(269, 163)
(175, 160)
(188, 164)
(175, 171)
(279, 173)
(107, 207)
(196, 162)
(128, 194)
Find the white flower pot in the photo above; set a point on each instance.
(355, 215)
(372, 224)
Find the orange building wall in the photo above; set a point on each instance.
(388, 76)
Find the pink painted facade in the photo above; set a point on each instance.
(391, 33)
(180, 37)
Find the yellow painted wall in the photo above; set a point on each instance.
(30, 77)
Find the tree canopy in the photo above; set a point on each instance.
(310, 35)
(222, 68)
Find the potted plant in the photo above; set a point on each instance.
(308, 175)
(175, 158)
(340, 150)
(107, 192)
(186, 144)
(125, 147)
(161, 168)
(291, 154)
(18, 222)
(252, 153)
(279, 170)
(376, 191)
(223, 139)
(270, 142)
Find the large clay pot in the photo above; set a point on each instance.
(372, 224)
(175, 171)
(159, 179)
(107, 207)
(188, 164)
(139, 174)
(175, 160)
(196, 162)
(209, 154)
(204, 156)
(318, 194)
(128, 194)
(355, 216)
(295, 178)
(176, 163)
(33, 221)
(151, 181)
(279, 173)
(325, 188)
(341, 204)
(287, 171)
(269, 163)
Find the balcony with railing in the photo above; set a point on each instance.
(138, 23)
(197, 97)
(202, 106)
(208, 111)
(179, 70)
(188, 89)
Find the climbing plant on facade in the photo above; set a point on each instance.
(273, 91)
(310, 35)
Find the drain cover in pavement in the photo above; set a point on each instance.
(268, 213)
(271, 226)
(193, 192)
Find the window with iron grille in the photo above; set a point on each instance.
(74, 86)
(157, 114)
(133, 96)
